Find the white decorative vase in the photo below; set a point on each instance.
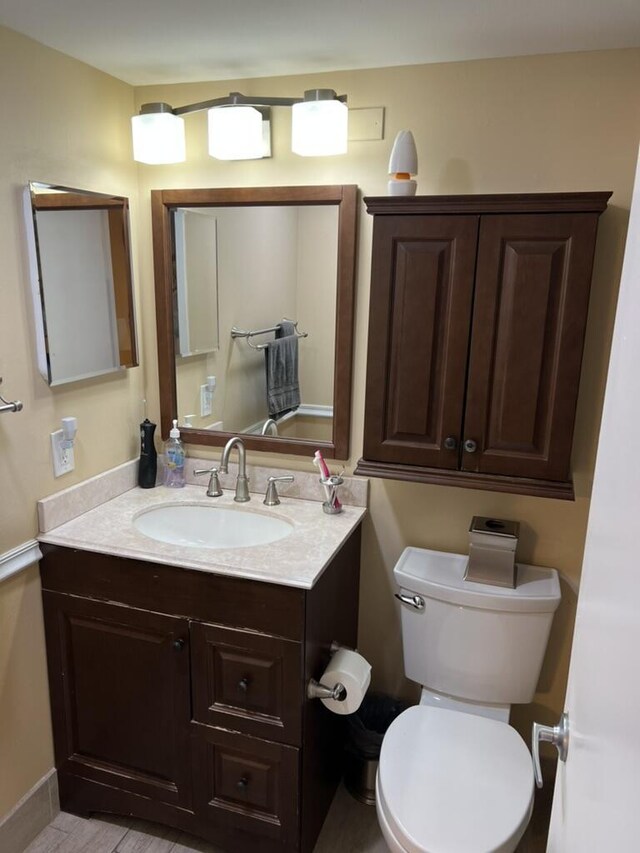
(402, 164)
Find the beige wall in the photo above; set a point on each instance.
(66, 123)
(534, 124)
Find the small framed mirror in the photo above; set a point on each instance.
(255, 293)
(81, 283)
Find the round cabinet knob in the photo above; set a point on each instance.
(470, 446)
(450, 442)
(243, 684)
(178, 645)
(242, 784)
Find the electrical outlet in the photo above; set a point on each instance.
(206, 401)
(63, 460)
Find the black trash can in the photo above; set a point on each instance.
(364, 741)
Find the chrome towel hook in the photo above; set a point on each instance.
(9, 405)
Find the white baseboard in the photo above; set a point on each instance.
(30, 815)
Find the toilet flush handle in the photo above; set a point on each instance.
(413, 600)
(557, 735)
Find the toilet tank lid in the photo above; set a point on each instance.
(440, 575)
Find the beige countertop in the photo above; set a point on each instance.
(297, 560)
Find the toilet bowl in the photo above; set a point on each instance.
(450, 782)
(454, 776)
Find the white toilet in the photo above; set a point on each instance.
(454, 777)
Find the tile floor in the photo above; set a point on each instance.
(350, 828)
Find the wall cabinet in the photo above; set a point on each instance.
(476, 331)
(180, 696)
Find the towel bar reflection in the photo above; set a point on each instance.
(9, 405)
(248, 334)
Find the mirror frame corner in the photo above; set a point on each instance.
(345, 196)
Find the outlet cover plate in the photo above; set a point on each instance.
(62, 457)
(206, 401)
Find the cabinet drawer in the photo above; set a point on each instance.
(247, 681)
(246, 784)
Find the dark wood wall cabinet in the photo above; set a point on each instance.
(476, 331)
(179, 696)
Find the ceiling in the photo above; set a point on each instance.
(172, 41)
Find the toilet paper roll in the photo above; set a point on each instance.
(352, 671)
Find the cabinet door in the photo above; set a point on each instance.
(531, 301)
(421, 297)
(119, 682)
(246, 680)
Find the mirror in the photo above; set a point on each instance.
(80, 268)
(255, 305)
(196, 267)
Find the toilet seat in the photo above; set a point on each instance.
(450, 782)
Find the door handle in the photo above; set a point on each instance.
(557, 735)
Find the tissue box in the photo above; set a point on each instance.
(492, 551)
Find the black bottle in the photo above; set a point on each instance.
(148, 456)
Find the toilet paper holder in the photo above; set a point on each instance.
(315, 690)
(338, 692)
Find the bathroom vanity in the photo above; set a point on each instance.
(179, 693)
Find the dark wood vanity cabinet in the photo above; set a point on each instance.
(179, 696)
(476, 330)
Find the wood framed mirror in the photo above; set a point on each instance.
(81, 284)
(232, 268)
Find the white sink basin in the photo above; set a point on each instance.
(210, 526)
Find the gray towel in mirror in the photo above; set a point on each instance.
(281, 361)
(285, 329)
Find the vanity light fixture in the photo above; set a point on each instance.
(158, 135)
(319, 124)
(235, 133)
(239, 127)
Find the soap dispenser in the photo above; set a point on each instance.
(174, 455)
(148, 465)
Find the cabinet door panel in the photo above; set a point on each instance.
(242, 679)
(530, 309)
(421, 297)
(119, 680)
(246, 784)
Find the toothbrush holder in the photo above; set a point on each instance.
(331, 485)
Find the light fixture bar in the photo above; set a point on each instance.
(238, 99)
(325, 134)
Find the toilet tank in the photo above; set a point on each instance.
(473, 641)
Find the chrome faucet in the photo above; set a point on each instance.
(242, 483)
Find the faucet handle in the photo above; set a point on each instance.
(271, 497)
(213, 489)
